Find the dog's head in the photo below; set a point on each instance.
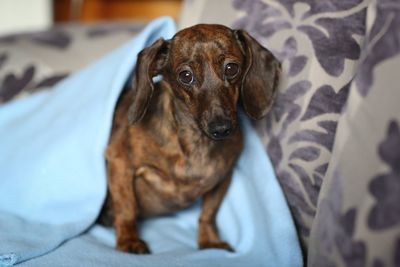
(209, 68)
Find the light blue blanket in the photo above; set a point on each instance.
(53, 183)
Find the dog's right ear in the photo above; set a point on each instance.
(151, 61)
(261, 76)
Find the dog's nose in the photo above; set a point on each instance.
(220, 129)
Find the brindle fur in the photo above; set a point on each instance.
(164, 157)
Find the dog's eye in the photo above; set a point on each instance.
(186, 77)
(231, 70)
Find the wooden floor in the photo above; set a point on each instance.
(103, 10)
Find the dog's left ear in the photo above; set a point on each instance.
(261, 76)
(150, 63)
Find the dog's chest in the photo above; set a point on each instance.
(176, 174)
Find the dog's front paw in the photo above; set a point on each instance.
(218, 245)
(136, 246)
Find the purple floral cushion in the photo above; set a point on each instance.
(319, 43)
(358, 217)
(38, 60)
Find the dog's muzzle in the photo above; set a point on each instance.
(220, 129)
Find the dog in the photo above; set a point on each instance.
(177, 140)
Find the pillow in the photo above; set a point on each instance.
(358, 219)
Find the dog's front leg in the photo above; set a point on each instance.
(208, 234)
(120, 175)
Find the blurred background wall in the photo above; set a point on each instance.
(26, 15)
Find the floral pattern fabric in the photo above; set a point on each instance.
(38, 60)
(314, 40)
(362, 227)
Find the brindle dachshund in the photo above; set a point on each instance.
(177, 140)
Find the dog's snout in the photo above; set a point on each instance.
(220, 129)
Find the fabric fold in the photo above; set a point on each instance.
(52, 171)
